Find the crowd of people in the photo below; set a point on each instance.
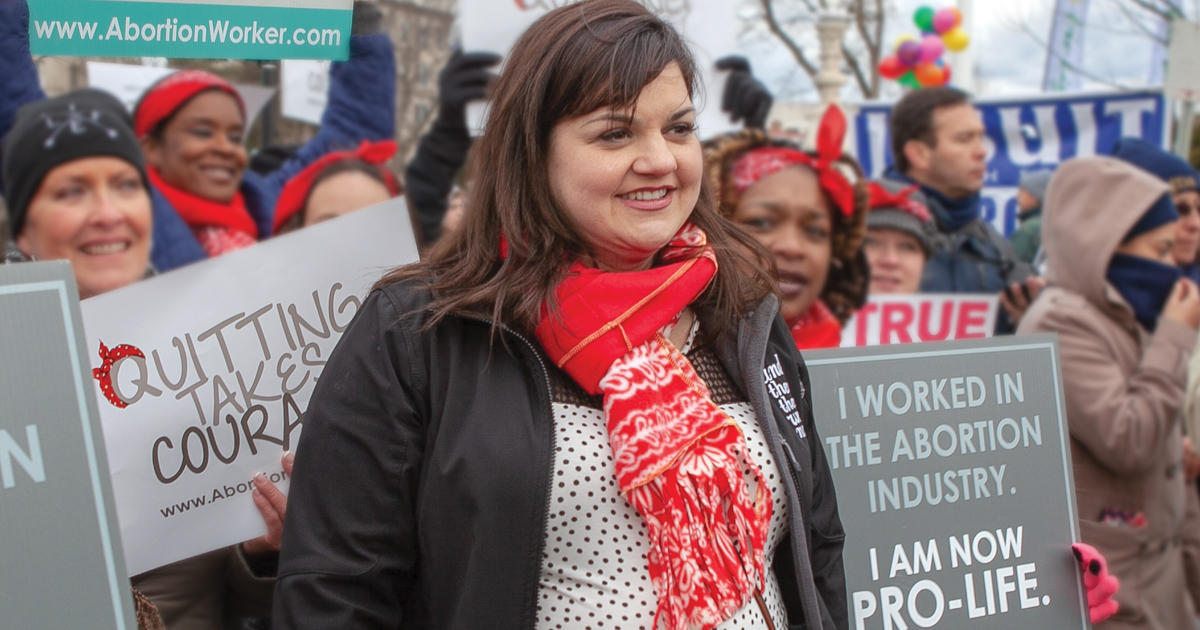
(479, 459)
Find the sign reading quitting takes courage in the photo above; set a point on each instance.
(217, 29)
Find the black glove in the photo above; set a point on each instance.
(465, 78)
(745, 98)
(367, 20)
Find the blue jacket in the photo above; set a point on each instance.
(361, 106)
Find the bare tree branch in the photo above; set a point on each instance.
(1070, 66)
(791, 44)
(1153, 7)
(1138, 23)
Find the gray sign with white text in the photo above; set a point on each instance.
(953, 474)
(61, 564)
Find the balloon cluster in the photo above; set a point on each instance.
(917, 62)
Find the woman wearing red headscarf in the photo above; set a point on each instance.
(337, 184)
(808, 210)
(192, 125)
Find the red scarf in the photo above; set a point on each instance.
(817, 329)
(678, 457)
(221, 227)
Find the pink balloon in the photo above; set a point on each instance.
(909, 53)
(945, 20)
(931, 48)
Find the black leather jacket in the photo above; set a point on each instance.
(422, 486)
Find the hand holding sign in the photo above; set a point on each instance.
(273, 505)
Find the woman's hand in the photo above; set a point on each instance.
(273, 505)
(1184, 304)
(1019, 296)
(1100, 585)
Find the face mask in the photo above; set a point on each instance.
(1145, 284)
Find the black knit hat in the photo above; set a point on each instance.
(49, 133)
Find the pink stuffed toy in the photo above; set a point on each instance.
(1100, 585)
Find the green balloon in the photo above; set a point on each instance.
(924, 19)
(909, 80)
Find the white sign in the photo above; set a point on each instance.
(203, 373)
(304, 85)
(1183, 67)
(711, 26)
(889, 319)
(125, 81)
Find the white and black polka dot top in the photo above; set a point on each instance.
(594, 574)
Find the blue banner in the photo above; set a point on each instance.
(1030, 134)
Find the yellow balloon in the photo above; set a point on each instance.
(956, 39)
(907, 37)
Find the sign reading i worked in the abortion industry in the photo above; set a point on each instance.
(213, 29)
(203, 375)
(953, 473)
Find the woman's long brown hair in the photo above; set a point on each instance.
(573, 61)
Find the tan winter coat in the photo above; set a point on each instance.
(1124, 391)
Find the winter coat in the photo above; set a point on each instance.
(361, 106)
(974, 259)
(204, 592)
(1027, 239)
(422, 485)
(1124, 390)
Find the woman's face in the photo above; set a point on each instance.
(789, 214)
(896, 259)
(95, 213)
(342, 194)
(629, 178)
(200, 149)
(1187, 237)
(1157, 244)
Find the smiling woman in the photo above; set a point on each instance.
(76, 190)
(559, 416)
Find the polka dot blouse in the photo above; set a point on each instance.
(594, 573)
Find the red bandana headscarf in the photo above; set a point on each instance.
(756, 164)
(676, 453)
(881, 198)
(295, 193)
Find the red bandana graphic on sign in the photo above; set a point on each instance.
(103, 373)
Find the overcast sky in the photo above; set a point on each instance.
(1008, 43)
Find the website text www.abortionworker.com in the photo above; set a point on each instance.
(170, 30)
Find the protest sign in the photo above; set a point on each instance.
(203, 374)
(215, 29)
(1030, 134)
(953, 474)
(887, 319)
(304, 89)
(710, 26)
(61, 563)
(125, 81)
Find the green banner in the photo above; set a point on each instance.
(262, 29)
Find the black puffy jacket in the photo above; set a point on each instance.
(422, 483)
